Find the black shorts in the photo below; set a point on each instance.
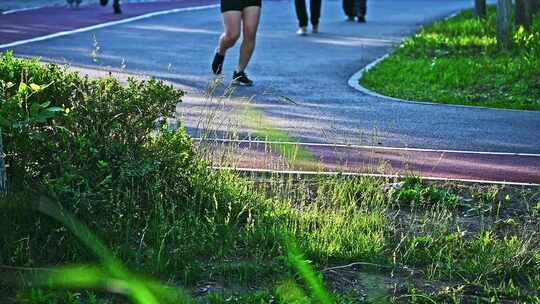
(238, 5)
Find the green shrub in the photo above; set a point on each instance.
(415, 193)
(110, 160)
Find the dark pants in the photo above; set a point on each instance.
(301, 12)
(354, 8)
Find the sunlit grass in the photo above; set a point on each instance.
(456, 61)
(296, 155)
(152, 208)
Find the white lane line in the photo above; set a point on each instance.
(364, 147)
(21, 10)
(107, 24)
(328, 173)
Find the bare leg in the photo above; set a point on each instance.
(250, 19)
(231, 30)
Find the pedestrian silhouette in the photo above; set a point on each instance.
(116, 5)
(72, 2)
(301, 13)
(355, 8)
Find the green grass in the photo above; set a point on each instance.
(456, 61)
(296, 156)
(340, 220)
(143, 204)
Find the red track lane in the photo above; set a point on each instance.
(49, 20)
(493, 167)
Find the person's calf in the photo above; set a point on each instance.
(246, 50)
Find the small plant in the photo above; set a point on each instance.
(414, 193)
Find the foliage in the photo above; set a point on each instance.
(457, 61)
(109, 159)
(413, 192)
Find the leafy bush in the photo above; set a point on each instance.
(415, 193)
(110, 159)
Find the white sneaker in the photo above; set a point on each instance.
(302, 31)
(315, 29)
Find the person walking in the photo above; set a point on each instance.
(75, 3)
(238, 15)
(116, 5)
(355, 8)
(301, 13)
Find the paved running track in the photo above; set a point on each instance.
(311, 71)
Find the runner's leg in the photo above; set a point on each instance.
(231, 13)
(231, 30)
(250, 24)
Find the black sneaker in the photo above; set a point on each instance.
(103, 2)
(361, 19)
(240, 78)
(217, 63)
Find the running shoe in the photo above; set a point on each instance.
(315, 29)
(361, 19)
(240, 78)
(302, 31)
(103, 2)
(217, 63)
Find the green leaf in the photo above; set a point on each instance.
(45, 104)
(34, 109)
(297, 260)
(289, 292)
(4, 123)
(78, 276)
(55, 109)
(23, 88)
(35, 87)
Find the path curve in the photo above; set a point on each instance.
(311, 71)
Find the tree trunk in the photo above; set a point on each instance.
(504, 24)
(480, 8)
(524, 13)
(3, 174)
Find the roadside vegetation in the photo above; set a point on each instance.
(99, 182)
(457, 61)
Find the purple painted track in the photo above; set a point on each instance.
(49, 20)
(377, 160)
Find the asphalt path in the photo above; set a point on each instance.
(300, 82)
